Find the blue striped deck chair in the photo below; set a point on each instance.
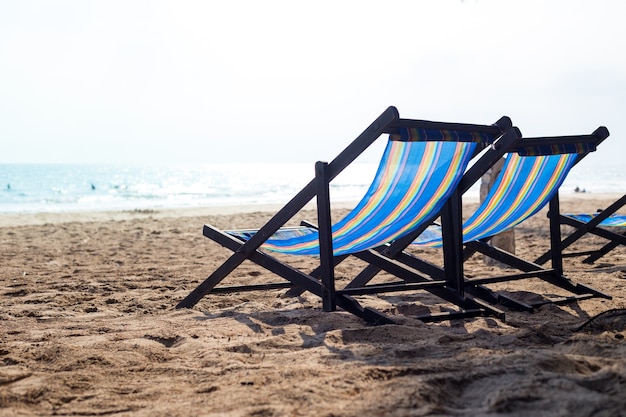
(596, 224)
(532, 174)
(420, 169)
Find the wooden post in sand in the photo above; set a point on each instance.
(504, 240)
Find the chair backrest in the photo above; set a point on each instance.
(413, 181)
(525, 185)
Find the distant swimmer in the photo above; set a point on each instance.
(8, 186)
(93, 187)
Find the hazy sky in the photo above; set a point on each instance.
(205, 81)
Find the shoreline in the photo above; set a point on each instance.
(43, 218)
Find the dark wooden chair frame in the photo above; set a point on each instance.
(582, 228)
(455, 256)
(448, 283)
(321, 281)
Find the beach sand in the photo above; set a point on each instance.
(88, 327)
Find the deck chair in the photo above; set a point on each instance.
(534, 170)
(595, 224)
(421, 167)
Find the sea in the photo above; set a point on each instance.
(35, 188)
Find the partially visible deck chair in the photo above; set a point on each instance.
(420, 169)
(534, 170)
(595, 224)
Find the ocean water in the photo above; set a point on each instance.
(68, 188)
(30, 188)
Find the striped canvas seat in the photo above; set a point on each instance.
(525, 185)
(614, 220)
(412, 182)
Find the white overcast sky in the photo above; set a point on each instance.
(208, 81)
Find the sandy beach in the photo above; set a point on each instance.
(88, 327)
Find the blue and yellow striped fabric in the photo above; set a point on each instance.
(413, 181)
(524, 186)
(614, 220)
